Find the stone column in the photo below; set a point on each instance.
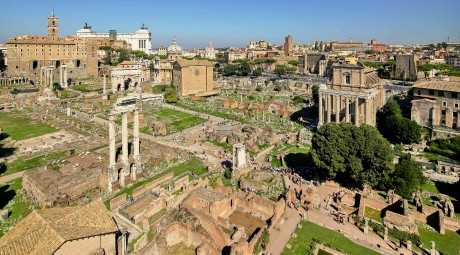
(112, 171)
(357, 111)
(337, 108)
(409, 245)
(41, 76)
(51, 78)
(329, 108)
(104, 87)
(320, 111)
(347, 109)
(366, 111)
(385, 234)
(433, 248)
(65, 76)
(124, 140)
(366, 226)
(137, 155)
(61, 77)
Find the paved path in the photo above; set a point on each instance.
(10, 177)
(280, 237)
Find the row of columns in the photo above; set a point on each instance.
(330, 108)
(46, 76)
(113, 174)
(14, 81)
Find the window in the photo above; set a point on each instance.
(418, 92)
(456, 105)
(444, 103)
(455, 114)
(197, 72)
(443, 112)
(431, 92)
(441, 93)
(454, 95)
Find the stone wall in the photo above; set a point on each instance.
(180, 232)
(118, 201)
(401, 222)
(182, 182)
(89, 245)
(149, 186)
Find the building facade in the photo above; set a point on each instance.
(163, 68)
(351, 95)
(436, 104)
(29, 56)
(139, 40)
(313, 63)
(210, 53)
(406, 67)
(193, 76)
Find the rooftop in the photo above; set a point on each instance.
(453, 86)
(185, 63)
(44, 231)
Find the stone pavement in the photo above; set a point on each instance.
(10, 177)
(279, 237)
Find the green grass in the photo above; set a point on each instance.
(84, 88)
(310, 231)
(133, 242)
(20, 127)
(447, 244)
(22, 164)
(157, 216)
(18, 208)
(295, 156)
(430, 187)
(175, 121)
(159, 89)
(372, 213)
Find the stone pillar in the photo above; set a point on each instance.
(320, 111)
(347, 109)
(366, 111)
(68, 111)
(124, 141)
(409, 245)
(137, 155)
(64, 67)
(41, 76)
(385, 234)
(433, 248)
(357, 111)
(337, 108)
(366, 226)
(51, 78)
(112, 171)
(61, 76)
(329, 108)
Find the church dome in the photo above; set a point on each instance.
(174, 47)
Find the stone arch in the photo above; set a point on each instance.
(127, 83)
(58, 63)
(118, 87)
(34, 64)
(78, 62)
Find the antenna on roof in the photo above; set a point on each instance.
(52, 14)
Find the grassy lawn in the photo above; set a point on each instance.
(21, 164)
(10, 199)
(20, 128)
(84, 88)
(310, 231)
(159, 89)
(182, 249)
(175, 121)
(157, 216)
(372, 213)
(447, 244)
(295, 156)
(430, 187)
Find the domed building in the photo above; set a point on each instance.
(210, 52)
(174, 51)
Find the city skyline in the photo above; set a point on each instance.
(236, 23)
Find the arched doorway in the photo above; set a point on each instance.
(127, 84)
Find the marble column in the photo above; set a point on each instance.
(320, 111)
(337, 108)
(41, 76)
(137, 155)
(347, 109)
(125, 152)
(64, 67)
(104, 87)
(367, 111)
(61, 76)
(51, 78)
(329, 108)
(357, 111)
(112, 171)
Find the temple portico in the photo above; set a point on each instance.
(127, 172)
(350, 96)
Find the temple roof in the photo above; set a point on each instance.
(453, 86)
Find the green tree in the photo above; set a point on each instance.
(407, 177)
(352, 155)
(394, 127)
(280, 70)
(230, 69)
(315, 93)
(171, 95)
(369, 52)
(244, 68)
(298, 100)
(278, 88)
(122, 55)
(293, 63)
(259, 88)
(257, 71)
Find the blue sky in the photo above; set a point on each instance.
(236, 22)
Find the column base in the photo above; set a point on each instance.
(105, 96)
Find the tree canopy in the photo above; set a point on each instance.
(352, 155)
(394, 127)
(280, 70)
(407, 177)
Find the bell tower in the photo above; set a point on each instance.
(53, 27)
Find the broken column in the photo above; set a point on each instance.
(433, 248)
(64, 75)
(385, 234)
(409, 245)
(239, 156)
(366, 226)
